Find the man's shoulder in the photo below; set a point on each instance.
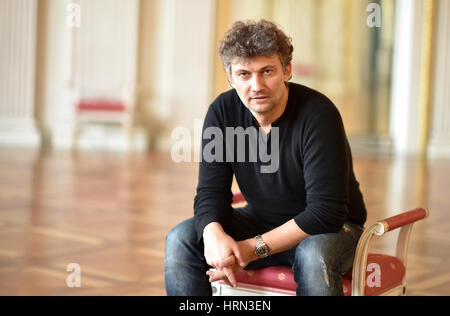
(225, 104)
(312, 101)
(224, 108)
(226, 98)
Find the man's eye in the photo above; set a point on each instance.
(243, 75)
(268, 71)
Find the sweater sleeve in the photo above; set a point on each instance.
(212, 202)
(326, 167)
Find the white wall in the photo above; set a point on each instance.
(96, 59)
(175, 63)
(177, 66)
(440, 119)
(192, 67)
(176, 71)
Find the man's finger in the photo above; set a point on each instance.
(230, 275)
(216, 276)
(228, 261)
(227, 282)
(239, 260)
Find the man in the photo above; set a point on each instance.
(308, 213)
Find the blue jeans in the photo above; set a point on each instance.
(318, 262)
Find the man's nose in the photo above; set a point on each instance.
(257, 83)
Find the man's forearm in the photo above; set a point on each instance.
(212, 228)
(284, 237)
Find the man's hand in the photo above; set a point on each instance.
(235, 256)
(246, 255)
(221, 251)
(219, 246)
(226, 255)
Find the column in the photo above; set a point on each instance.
(17, 72)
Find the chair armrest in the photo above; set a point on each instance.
(403, 219)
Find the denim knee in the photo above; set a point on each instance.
(181, 236)
(321, 260)
(310, 260)
(332, 248)
(315, 268)
(184, 264)
(314, 249)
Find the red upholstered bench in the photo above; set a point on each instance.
(102, 111)
(101, 105)
(373, 274)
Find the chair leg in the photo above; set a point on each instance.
(128, 131)
(75, 137)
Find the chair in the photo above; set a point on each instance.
(103, 74)
(104, 111)
(364, 280)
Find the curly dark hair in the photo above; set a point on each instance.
(255, 38)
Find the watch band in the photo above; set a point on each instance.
(259, 241)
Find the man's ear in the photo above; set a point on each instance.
(230, 81)
(288, 73)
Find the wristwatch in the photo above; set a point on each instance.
(262, 251)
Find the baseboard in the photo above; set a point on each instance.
(371, 144)
(439, 148)
(19, 133)
(107, 138)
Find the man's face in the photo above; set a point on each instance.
(260, 82)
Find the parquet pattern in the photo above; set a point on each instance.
(110, 213)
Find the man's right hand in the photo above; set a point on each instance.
(221, 250)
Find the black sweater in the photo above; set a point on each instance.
(314, 184)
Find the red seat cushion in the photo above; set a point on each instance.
(101, 105)
(276, 278)
(392, 271)
(281, 279)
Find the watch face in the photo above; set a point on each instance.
(262, 252)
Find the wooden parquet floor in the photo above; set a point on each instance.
(110, 213)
